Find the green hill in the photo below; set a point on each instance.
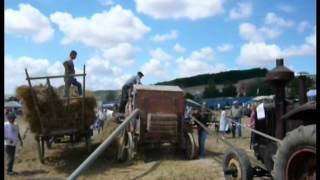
(227, 77)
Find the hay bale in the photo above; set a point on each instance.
(63, 116)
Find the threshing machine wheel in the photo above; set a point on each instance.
(296, 155)
(40, 145)
(125, 147)
(190, 146)
(236, 165)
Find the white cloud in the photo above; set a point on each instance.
(262, 54)
(286, 8)
(199, 62)
(159, 54)
(303, 25)
(258, 54)
(249, 32)
(243, 11)
(103, 75)
(106, 2)
(154, 68)
(225, 48)
(102, 30)
(205, 53)
(273, 20)
(123, 54)
(307, 48)
(28, 21)
(158, 66)
(178, 48)
(173, 34)
(189, 9)
(270, 32)
(15, 71)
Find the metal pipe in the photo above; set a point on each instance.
(250, 129)
(93, 156)
(302, 89)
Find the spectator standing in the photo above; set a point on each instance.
(224, 124)
(11, 137)
(236, 115)
(204, 117)
(253, 119)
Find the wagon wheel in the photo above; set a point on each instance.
(125, 147)
(40, 145)
(236, 165)
(190, 146)
(88, 143)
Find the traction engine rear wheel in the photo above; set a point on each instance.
(296, 155)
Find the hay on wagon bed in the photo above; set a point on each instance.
(55, 113)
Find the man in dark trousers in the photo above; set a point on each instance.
(11, 137)
(125, 90)
(69, 70)
(203, 115)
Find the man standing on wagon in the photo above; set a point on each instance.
(69, 70)
(125, 90)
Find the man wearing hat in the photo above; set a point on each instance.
(11, 136)
(125, 90)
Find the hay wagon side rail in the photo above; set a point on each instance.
(45, 133)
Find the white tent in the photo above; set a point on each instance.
(312, 92)
(12, 104)
(261, 98)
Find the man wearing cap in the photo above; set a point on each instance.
(11, 136)
(125, 90)
(69, 71)
(236, 115)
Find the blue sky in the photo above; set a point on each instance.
(164, 39)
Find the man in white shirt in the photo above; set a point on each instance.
(11, 136)
(125, 90)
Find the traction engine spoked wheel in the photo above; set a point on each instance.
(190, 146)
(125, 147)
(40, 147)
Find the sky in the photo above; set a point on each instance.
(164, 39)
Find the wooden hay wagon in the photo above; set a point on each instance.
(59, 124)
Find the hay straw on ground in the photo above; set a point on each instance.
(60, 116)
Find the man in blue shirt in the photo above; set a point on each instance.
(69, 70)
(125, 90)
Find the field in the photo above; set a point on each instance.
(165, 163)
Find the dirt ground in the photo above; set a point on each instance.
(157, 164)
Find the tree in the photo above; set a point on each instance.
(259, 88)
(293, 85)
(110, 96)
(12, 98)
(229, 91)
(189, 96)
(211, 90)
